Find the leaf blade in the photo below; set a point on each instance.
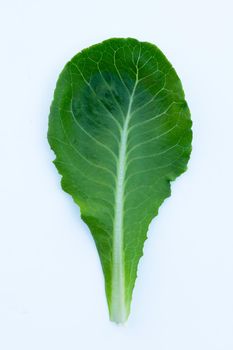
(121, 130)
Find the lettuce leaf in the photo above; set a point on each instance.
(121, 131)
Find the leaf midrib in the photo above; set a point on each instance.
(119, 310)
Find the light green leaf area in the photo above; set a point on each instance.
(121, 131)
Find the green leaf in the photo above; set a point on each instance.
(121, 131)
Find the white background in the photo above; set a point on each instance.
(51, 284)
